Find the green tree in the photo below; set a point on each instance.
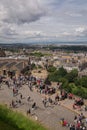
(71, 76)
(47, 81)
(77, 81)
(79, 92)
(57, 75)
(83, 81)
(62, 72)
(33, 66)
(37, 54)
(64, 83)
(51, 69)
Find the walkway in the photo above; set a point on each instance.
(49, 116)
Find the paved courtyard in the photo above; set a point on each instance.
(49, 116)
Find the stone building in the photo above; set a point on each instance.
(12, 66)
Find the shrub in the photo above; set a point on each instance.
(39, 66)
(37, 54)
(47, 81)
(83, 81)
(71, 76)
(79, 92)
(77, 81)
(64, 83)
(55, 76)
(51, 69)
(62, 72)
(33, 66)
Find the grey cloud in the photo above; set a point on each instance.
(42, 19)
(13, 32)
(83, 34)
(22, 11)
(81, 31)
(83, 12)
(8, 31)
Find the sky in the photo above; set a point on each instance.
(43, 20)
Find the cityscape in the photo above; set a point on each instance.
(43, 64)
(45, 81)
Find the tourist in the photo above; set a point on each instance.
(28, 111)
(21, 96)
(34, 106)
(28, 99)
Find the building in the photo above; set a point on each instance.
(12, 66)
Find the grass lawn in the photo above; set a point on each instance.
(5, 126)
(10, 120)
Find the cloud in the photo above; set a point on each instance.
(31, 34)
(13, 32)
(21, 11)
(74, 34)
(81, 31)
(73, 14)
(42, 19)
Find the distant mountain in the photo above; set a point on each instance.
(47, 43)
(40, 44)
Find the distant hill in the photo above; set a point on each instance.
(66, 46)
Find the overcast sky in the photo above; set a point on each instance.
(42, 20)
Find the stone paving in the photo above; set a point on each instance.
(49, 116)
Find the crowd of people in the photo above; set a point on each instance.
(34, 83)
(79, 123)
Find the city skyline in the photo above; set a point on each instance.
(43, 20)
